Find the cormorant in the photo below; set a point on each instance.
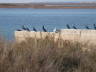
(44, 29)
(19, 30)
(74, 27)
(34, 29)
(27, 29)
(87, 27)
(95, 26)
(68, 26)
(24, 28)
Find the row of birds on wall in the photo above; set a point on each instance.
(87, 27)
(54, 30)
(34, 29)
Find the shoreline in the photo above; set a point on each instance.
(51, 6)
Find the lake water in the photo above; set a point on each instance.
(12, 19)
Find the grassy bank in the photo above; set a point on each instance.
(45, 55)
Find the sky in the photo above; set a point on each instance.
(24, 1)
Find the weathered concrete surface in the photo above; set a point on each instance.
(22, 35)
(65, 34)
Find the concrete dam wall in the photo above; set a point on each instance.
(81, 35)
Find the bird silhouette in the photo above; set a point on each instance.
(87, 27)
(74, 27)
(68, 26)
(34, 29)
(24, 28)
(27, 29)
(44, 29)
(19, 30)
(94, 26)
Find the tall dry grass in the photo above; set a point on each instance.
(46, 55)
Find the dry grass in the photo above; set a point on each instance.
(45, 55)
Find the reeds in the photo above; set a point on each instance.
(46, 55)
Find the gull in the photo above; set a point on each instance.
(54, 30)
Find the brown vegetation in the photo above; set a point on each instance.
(48, 5)
(45, 55)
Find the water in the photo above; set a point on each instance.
(13, 19)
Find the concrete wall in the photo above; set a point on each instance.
(66, 34)
(22, 35)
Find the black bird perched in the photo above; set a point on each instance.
(95, 26)
(24, 28)
(44, 29)
(27, 29)
(19, 30)
(68, 26)
(87, 27)
(34, 29)
(74, 27)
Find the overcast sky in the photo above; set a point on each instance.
(21, 1)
